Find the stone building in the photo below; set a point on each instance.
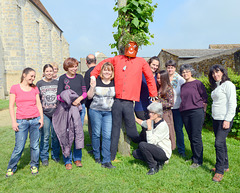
(227, 55)
(182, 55)
(228, 58)
(29, 37)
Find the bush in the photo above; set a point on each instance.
(236, 122)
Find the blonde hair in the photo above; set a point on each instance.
(54, 64)
(109, 67)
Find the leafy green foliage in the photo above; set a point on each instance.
(236, 122)
(132, 23)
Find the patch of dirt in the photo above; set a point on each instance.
(5, 119)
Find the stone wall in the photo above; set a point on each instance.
(28, 39)
(229, 59)
(164, 57)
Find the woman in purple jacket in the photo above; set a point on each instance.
(192, 108)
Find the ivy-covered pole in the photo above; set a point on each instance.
(132, 23)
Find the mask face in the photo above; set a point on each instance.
(131, 49)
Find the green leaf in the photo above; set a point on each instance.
(135, 3)
(124, 9)
(139, 10)
(135, 22)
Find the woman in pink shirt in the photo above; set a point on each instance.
(29, 118)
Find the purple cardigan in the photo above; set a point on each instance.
(67, 123)
(193, 95)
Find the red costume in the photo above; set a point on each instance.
(128, 76)
(128, 71)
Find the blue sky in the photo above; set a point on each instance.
(178, 24)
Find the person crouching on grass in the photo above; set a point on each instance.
(158, 148)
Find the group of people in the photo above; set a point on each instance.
(164, 101)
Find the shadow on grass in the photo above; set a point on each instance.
(25, 158)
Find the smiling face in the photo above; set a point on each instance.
(187, 74)
(217, 75)
(30, 77)
(159, 78)
(154, 66)
(72, 70)
(107, 73)
(48, 73)
(171, 70)
(131, 49)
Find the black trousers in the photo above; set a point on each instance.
(89, 126)
(150, 153)
(143, 115)
(220, 145)
(193, 120)
(122, 110)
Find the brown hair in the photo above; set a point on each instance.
(171, 63)
(165, 82)
(69, 62)
(26, 71)
(47, 66)
(150, 60)
(109, 66)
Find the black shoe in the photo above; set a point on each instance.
(160, 166)
(152, 171)
(98, 160)
(90, 151)
(183, 155)
(56, 160)
(195, 165)
(189, 159)
(45, 163)
(108, 165)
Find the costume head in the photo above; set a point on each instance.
(131, 49)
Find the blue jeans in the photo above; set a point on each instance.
(55, 145)
(20, 139)
(76, 155)
(44, 143)
(44, 138)
(82, 113)
(101, 121)
(178, 125)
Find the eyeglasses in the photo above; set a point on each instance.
(186, 71)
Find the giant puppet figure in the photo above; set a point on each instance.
(128, 71)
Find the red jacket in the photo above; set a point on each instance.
(128, 76)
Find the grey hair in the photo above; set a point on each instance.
(155, 107)
(187, 67)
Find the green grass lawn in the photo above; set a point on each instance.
(3, 104)
(129, 175)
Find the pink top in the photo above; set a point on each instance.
(25, 102)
